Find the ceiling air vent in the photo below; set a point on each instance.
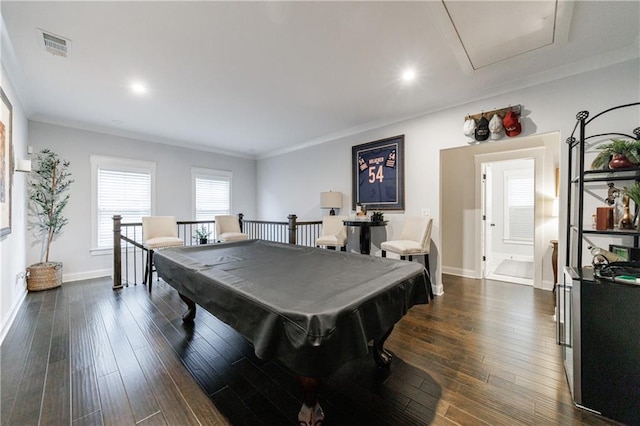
(55, 45)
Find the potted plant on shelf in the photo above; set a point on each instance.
(202, 235)
(619, 153)
(377, 217)
(47, 195)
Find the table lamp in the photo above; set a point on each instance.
(331, 200)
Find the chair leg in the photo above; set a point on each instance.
(331, 247)
(426, 265)
(343, 248)
(384, 253)
(410, 258)
(403, 257)
(149, 267)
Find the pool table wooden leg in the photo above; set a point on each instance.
(311, 413)
(190, 314)
(381, 356)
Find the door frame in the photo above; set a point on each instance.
(538, 155)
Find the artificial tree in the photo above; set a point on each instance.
(47, 190)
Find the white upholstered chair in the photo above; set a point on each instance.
(334, 233)
(228, 229)
(158, 232)
(415, 240)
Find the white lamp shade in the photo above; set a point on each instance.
(23, 165)
(330, 200)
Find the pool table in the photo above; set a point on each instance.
(310, 308)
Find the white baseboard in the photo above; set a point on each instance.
(467, 273)
(12, 316)
(78, 276)
(547, 285)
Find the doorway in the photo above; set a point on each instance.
(460, 203)
(508, 212)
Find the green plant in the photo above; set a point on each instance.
(377, 217)
(633, 192)
(626, 147)
(49, 181)
(202, 233)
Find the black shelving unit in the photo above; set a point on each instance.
(598, 321)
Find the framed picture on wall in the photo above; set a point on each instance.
(377, 174)
(6, 164)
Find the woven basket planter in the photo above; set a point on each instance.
(43, 276)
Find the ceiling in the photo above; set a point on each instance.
(260, 78)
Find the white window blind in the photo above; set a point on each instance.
(212, 193)
(123, 187)
(520, 208)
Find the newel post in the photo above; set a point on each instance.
(292, 228)
(240, 217)
(117, 252)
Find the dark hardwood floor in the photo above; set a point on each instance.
(483, 353)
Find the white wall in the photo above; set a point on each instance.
(12, 247)
(173, 187)
(291, 183)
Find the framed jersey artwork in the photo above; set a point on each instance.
(377, 170)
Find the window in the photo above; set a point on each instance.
(119, 186)
(211, 193)
(519, 205)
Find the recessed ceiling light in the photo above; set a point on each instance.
(138, 88)
(408, 75)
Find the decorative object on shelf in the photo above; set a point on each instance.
(377, 174)
(331, 200)
(603, 257)
(361, 210)
(511, 123)
(628, 253)
(377, 217)
(202, 235)
(617, 154)
(50, 180)
(626, 221)
(612, 194)
(604, 218)
(633, 192)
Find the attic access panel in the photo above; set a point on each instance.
(494, 31)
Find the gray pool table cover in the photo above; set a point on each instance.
(313, 309)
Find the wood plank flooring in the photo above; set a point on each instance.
(484, 353)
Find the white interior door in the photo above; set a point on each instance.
(509, 205)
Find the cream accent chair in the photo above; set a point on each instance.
(228, 229)
(415, 240)
(334, 233)
(158, 232)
